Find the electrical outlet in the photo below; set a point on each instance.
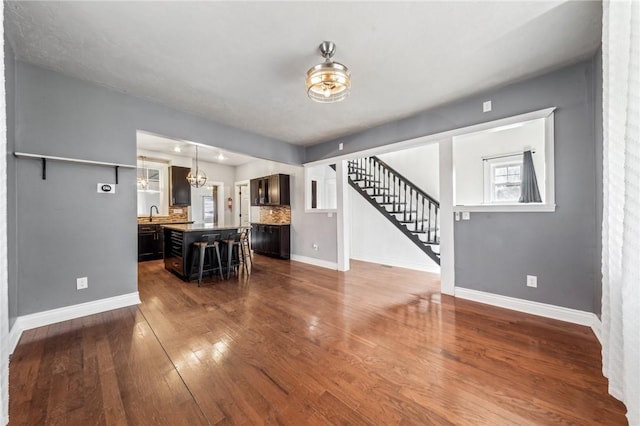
(466, 215)
(532, 281)
(82, 283)
(486, 106)
(340, 146)
(314, 246)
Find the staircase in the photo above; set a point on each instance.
(409, 208)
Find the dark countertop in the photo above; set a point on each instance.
(164, 223)
(197, 227)
(269, 223)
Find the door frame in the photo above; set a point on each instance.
(237, 211)
(343, 220)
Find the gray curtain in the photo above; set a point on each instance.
(529, 192)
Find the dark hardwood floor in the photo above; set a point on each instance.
(297, 344)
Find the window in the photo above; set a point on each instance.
(208, 209)
(155, 193)
(502, 181)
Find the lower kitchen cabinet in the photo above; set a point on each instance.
(150, 242)
(271, 240)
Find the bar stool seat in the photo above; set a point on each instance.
(211, 243)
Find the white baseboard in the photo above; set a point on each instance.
(596, 326)
(535, 308)
(39, 319)
(314, 261)
(428, 266)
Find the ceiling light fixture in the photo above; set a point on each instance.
(199, 178)
(221, 157)
(143, 174)
(329, 81)
(177, 149)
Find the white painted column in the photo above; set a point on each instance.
(343, 216)
(4, 279)
(447, 260)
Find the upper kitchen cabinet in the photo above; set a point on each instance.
(180, 188)
(270, 191)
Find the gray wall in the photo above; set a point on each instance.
(65, 229)
(597, 96)
(495, 251)
(12, 257)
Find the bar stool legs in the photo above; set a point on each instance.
(201, 247)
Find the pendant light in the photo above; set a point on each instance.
(199, 178)
(143, 178)
(330, 81)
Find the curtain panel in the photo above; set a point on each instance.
(621, 203)
(529, 192)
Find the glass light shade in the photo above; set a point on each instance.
(197, 179)
(328, 82)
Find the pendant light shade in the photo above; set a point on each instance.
(329, 81)
(198, 177)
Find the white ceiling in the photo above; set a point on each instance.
(158, 144)
(244, 63)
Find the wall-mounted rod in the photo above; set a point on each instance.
(513, 154)
(44, 159)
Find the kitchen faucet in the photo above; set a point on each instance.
(151, 212)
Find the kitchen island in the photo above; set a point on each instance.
(178, 242)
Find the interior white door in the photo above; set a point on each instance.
(244, 205)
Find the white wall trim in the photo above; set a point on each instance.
(427, 266)
(596, 326)
(535, 308)
(436, 137)
(447, 249)
(39, 319)
(314, 261)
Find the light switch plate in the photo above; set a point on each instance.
(466, 215)
(456, 215)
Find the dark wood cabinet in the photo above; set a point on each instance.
(271, 240)
(271, 190)
(150, 242)
(180, 188)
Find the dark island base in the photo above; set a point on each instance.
(178, 249)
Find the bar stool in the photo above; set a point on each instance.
(246, 243)
(209, 241)
(235, 245)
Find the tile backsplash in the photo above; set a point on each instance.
(275, 214)
(179, 214)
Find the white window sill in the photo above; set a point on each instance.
(320, 210)
(520, 207)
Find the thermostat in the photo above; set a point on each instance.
(106, 188)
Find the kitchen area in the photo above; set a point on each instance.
(187, 194)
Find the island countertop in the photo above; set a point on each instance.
(199, 227)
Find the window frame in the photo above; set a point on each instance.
(489, 177)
